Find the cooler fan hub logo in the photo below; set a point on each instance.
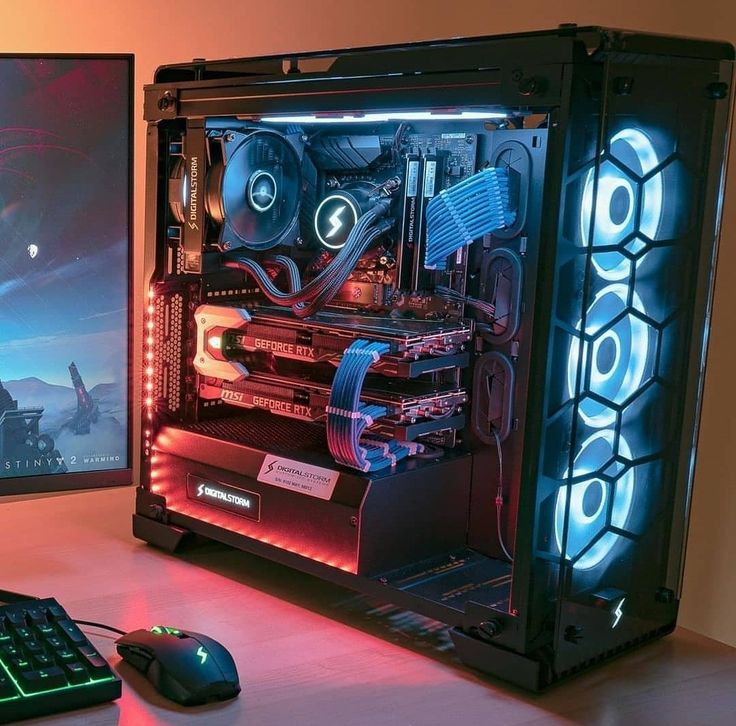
(262, 190)
(334, 219)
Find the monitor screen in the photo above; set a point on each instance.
(65, 226)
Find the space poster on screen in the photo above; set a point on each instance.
(64, 234)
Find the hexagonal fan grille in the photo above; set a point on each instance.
(613, 358)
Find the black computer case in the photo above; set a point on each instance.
(531, 401)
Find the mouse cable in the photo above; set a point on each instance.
(92, 624)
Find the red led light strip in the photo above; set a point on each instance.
(148, 374)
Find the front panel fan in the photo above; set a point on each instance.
(254, 192)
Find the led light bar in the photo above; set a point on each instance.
(381, 117)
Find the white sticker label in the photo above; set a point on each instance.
(430, 175)
(412, 179)
(298, 476)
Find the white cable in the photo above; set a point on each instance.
(499, 495)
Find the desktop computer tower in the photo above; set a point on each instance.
(430, 322)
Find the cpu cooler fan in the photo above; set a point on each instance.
(253, 192)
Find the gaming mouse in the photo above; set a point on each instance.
(186, 667)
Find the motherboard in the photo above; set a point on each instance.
(346, 274)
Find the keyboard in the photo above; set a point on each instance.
(47, 664)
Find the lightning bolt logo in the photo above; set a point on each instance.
(336, 221)
(202, 653)
(270, 466)
(200, 490)
(618, 612)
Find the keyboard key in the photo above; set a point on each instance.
(15, 618)
(35, 616)
(5, 639)
(24, 633)
(75, 672)
(66, 656)
(72, 632)
(45, 631)
(42, 679)
(33, 647)
(56, 643)
(10, 651)
(17, 665)
(96, 665)
(56, 612)
(42, 660)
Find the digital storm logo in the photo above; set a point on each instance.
(220, 494)
(193, 193)
(230, 498)
(270, 466)
(618, 613)
(336, 216)
(336, 221)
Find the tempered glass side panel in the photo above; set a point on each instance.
(632, 279)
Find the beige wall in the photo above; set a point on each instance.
(164, 32)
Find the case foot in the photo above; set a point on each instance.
(165, 536)
(500, 662)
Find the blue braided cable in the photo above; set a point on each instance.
(356, 368)
(347, 417)
(337, 433)
(466, 211)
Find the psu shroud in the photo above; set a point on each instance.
(429, 322)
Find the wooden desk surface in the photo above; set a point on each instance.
(310, 653)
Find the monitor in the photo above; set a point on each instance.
(65, 271)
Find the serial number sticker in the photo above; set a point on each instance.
(430, 176)
(315, 481)
(412, 180)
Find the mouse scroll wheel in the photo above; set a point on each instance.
(163, 630)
